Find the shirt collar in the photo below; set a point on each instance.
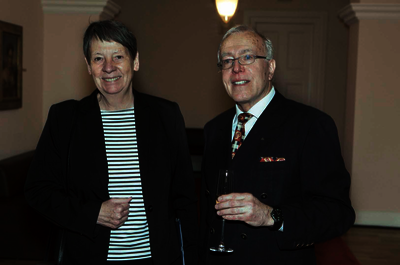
(259, 107)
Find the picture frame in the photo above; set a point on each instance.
(10, 66)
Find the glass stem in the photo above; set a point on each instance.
(222, 232)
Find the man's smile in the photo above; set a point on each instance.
(240, 82)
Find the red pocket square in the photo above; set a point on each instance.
(272, 159)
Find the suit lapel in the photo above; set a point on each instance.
(259, 136)
(224, 137)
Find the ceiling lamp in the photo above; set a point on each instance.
(226, 8)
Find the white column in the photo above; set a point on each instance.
(372, 142)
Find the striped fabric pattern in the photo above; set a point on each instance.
(132, 240)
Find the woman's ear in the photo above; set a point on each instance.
(88, 67)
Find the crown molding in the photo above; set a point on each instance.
(110, 10)
(107, 9)
(356, 12)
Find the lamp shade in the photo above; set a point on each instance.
(226, 8)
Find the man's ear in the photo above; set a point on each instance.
(88, 67)
(136, 62)
(272, 67)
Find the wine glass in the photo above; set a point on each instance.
(224, 186)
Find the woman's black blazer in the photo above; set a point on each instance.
(68, 178)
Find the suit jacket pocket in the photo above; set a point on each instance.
(276, 165)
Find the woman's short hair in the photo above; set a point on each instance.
(109, 30)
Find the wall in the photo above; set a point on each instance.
(65, 71)
(20, 128)
(376, 154)
(377, 112)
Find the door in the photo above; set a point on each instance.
(299, 41)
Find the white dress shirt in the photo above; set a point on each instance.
(256, 111)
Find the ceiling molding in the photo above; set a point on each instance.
(356, 12)
(107, 9)
(110, 10)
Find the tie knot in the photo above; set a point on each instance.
(244, 117)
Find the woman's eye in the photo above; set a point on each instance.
(118, 57)
(97, 59)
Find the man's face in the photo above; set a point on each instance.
(111, 66)
(246, 84)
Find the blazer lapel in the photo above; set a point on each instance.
(145, 135)
(92, 143)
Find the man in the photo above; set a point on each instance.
(291, 188)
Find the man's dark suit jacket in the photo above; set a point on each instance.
(311, 186)
(68, 178)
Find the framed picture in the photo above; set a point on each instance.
(10, 66)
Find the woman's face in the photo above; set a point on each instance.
(111, 67)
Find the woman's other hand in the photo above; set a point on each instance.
(114, 212)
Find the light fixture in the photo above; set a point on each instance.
(226, 8)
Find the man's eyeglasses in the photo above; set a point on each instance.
(243, 60)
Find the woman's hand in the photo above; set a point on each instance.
(114, 212)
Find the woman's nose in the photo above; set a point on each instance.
(108, 66)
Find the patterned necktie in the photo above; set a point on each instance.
(239, 132)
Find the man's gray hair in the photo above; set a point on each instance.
(243, 28)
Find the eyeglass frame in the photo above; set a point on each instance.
(219, 65)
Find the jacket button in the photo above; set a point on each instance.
(212, 231)
(263, 196)
(243, 236)
(150, 208)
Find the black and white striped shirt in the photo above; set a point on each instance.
(132, 240)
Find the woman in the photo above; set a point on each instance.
(113, 170)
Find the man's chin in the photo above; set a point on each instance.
(240, 99)
(244, 105)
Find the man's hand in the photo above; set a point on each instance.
(244, 207)
(114, 213)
